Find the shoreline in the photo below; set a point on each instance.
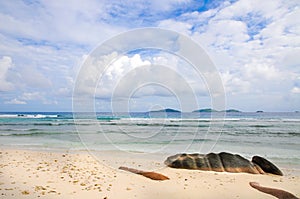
(76, 174)
(288, 168)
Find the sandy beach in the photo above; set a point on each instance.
(44, 174)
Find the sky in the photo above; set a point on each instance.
(254, 45)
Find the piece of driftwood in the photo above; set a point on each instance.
(278, 193)
(147, 174)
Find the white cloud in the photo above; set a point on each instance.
(50, 21)
(15, 101)
(169, 5)
(235, 84)
(262, 71)
(163, 68)
(36, 97)
(124, 64)
(34, 78)
(296, 90)
(31, 96)
(90, 71)
(5, 65)
(181, 27)
(254, 46)
(224, 34)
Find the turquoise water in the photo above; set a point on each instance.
(272, 135)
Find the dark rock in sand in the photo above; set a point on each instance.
(222, 162)
(236, 163)
(266, 165)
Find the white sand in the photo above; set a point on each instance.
(32, 174)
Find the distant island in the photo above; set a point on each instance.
(209, 110)
(206, 110)
(259, 111)
(168, 110)
(232, 111)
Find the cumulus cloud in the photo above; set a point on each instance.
(29, 97)
(179, 26)
(163, 68)
(139, 77)
(65, 22)
(5, 65)
(296, 90)
(254, 45)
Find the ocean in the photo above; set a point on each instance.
(275, 136)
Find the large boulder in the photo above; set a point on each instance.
(222, 162)
(266, 165)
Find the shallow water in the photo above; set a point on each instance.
(275, 136)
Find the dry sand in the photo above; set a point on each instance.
(33, 174)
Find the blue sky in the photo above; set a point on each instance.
(255, 46)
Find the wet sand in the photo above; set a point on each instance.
(77, 174)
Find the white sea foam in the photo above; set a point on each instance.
(8, 115)
(27, 116)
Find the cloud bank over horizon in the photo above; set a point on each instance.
(255, 46)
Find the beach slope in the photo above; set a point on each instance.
(44, 174)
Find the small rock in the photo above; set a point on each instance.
(25, 192)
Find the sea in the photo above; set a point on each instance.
(275, 136)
